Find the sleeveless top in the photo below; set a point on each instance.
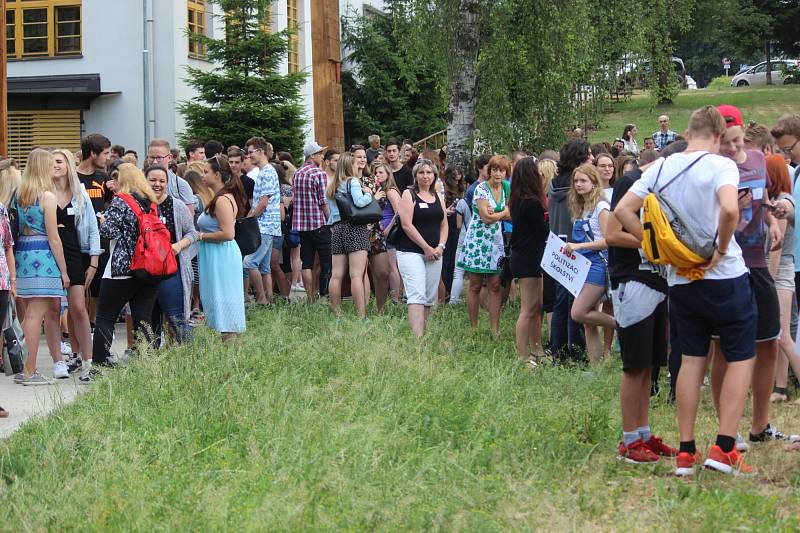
(427, 220)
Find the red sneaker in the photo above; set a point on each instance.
(727, 463)
(685, 463)
(659, 448)
(636, 453)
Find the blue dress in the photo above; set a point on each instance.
(220, 265)
(38, 275)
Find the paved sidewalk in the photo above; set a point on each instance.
(24, 402)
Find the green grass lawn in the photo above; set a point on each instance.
(763, 105)
(305, 424)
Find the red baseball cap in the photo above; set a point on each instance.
(731, 114)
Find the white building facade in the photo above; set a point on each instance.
(118, 67)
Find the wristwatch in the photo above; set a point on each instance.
(441, 245)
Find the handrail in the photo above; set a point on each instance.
(438, 136)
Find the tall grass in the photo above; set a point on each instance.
(306, 424)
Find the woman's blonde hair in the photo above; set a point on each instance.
(131, 180)
(389, 183)
(194, 176)
(73, 182)
(547, 170)
(9, 180)
(36, 178)
(345, 169)
(577, 203)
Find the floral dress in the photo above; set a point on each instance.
(483, 243)
(377, 240)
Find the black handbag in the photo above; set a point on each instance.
(369, 214)
(247, 235)
(15, 350)
(393, 235)
(13, 218)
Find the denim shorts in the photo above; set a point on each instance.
(259, 260)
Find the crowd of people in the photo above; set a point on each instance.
(387, 221)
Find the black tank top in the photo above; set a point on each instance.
(427, 220)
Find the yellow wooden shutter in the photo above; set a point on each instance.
(43, 129)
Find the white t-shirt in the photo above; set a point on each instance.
(696, 192)
(594, 219)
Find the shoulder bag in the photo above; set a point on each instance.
(247, 235)
(350, 212)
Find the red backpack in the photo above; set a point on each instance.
(152, 258)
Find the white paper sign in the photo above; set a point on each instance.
(569, 271)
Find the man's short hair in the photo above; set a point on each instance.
(94, 143)
(259, 143)
(706, 121)
(482, 161)
(663, 116)
(518, 153)
(392, 142)
(647, 156)
(132, 152)
(176, 155)
(758, 135)
(649, 138)
(787, 125)
(374, 137)
(235, 151)
(192, 145)
(118, 148)
(163, 143)
(213, 147)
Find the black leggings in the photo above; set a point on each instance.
(114, 294)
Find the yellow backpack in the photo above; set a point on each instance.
(660, 243)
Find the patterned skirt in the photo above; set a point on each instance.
(38, 275)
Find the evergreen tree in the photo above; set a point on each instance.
(386, 90)
(244, 95)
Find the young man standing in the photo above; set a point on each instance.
(401, 173)
(310, 219)
(722, 302)
(640, 309)
(266, 207)
(664, 135)
(195, 151)
(238, 161)
(757, 229)
(159, 154)
(95, 149)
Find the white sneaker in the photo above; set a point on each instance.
(66, 349)
(741, 444)
(60, 370)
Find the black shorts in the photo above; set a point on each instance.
(768, 326)
(644, 344)
(726, 307)
(314, 242)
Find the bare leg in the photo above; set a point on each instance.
(381, 273)
(52, 329)
(358, 267)
(258, 285)
(474, 299)
(584, 311)
(608, 332)
(634, 398)
(786, 343)
(763, 381)
(494, 301)
(266, 281)
(308, 283)
(79, 318)
(296, 266)
(280, 275)
(35, 310)
(530, 291)
(687, 394)
(335, 284)
(416, 319)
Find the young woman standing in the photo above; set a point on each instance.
(483, 248)
(219, 255)
(349, 242)
(454, 189)
(80, 241)
(590, 214)
(528, 240)
(391, 207)
(379, 257)
(41, 269)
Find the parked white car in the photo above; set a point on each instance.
(757, 75)
(690, 83)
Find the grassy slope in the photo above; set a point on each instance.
(763, 105)
(305, 423)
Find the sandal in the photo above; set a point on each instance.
(4, 413)
(779, 394)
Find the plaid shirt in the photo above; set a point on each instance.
(308, 193)
(663, 139)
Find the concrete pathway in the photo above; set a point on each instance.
(25, 402)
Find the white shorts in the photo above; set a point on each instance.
(420, 277)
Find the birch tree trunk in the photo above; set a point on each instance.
(463, 84)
